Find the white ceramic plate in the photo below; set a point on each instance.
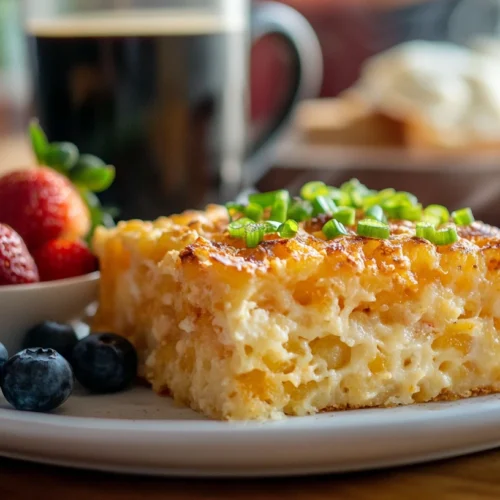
(139, 432)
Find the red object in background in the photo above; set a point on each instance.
(347, 34)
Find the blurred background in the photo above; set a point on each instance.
(194, 107)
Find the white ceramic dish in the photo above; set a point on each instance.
(23, 306)
(139, 432)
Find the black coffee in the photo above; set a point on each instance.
(162, 99)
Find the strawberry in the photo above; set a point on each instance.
(62, 258)
(16, 264)
(41, 204)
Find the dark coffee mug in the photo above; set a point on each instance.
(162, 94)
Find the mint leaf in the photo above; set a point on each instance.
(61, 156)
(39, 141)
(91, 173)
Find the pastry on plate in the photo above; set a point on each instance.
(418, 95)
(341, 298)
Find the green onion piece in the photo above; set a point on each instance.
(437, 212)
(345, 215)
(279, 210)
(409, 197)
(323, 205)
(334, 228)
(393, 205)
(463, 217)
(373, 229)
(237, 207)
(411, 212)
(300, 210)
(288, 229)
(378, 198)
(270, 226)
(356, 199)
(431, 219)
(313, 189)
(371, 201)
(426, 230)
(267, 199)
(376, 213)
(355, 185)
(254, 212)
(254, 234)
(237, 228)
(234, 209)
(385, 194)
(402, 209)
(356, 191)
(340, 198)
(446, 236)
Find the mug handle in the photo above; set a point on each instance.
(307, 75)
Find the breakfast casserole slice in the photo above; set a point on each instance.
(342, 298)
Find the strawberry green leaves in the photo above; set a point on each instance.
(92, 173)
(87, 172)
(61, 156)
(39, 141)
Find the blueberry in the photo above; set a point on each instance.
(4, 356)
(37, 380)
(52, 335)
(105, 362)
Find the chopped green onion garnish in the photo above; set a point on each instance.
(402, 209)
(409, 197)
(446, 236)
(345, 215)
(437, 212)
(426, 230)
(373, 229)
(431, 219)
(234, 209)
(356, 199)
(355, 185)
(323, 205)
(340, 198)
(463, 217)
(300, 210)
(288, 229)
(279, 210)
(356, 191)
(378, 198)
(270, 226)
(267, 199)
(393, 204)
(237, 228)
(375, 212)
(254, 212)
(385, 194)
(254, 234)
(313, 189)
(411, 212)
(334, 228)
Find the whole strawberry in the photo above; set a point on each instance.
(16, 264)
(41, 204)
(61, 258)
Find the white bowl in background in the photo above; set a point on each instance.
(24, 306)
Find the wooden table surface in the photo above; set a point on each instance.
(472, 477)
